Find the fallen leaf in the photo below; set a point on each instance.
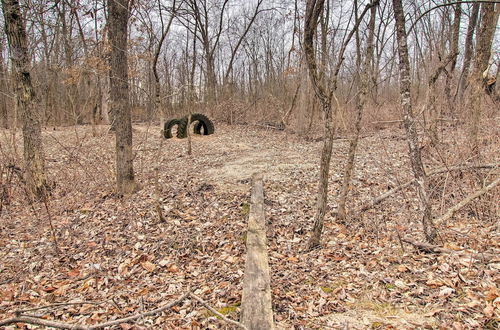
(150, 267)
(446, 291)
(173, 268)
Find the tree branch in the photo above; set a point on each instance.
(391, 192)
(207, 306)
(64, 325)
(451, 211)
(446, 5)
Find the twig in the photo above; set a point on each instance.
(451, 211)
(430, 248)
(52, 229)
(64, 325)
(23, 311)
(400, 120)
(207, 306)
(426, 247)
(391, 192)
(39, 321)
(136, 316)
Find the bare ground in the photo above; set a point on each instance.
(116, 251)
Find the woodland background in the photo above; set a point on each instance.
(375, 123)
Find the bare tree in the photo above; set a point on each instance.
(4, 120)
(409, 123)
(164, 31)
(469, 49)
(489, 17)
(363, 81)
(324, 90)
(118, 14)
(314, 8)
(30, 118)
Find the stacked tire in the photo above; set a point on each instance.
(202, 126)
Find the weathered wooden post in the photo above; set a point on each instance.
(256, 307)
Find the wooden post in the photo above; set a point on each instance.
(256, 308)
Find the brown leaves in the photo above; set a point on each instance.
(148, 266)
(115, 250)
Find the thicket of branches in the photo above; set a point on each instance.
(239, 61)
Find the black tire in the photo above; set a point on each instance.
(197, 128)
(207, 124)
(182, 128)
(167, 127)
(203, 122)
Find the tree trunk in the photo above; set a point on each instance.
(489, 17)
(157, 86)
(119, 95)
(326, 156)
(211, 80)
(363, 81)
(30, 118)
(469, 47)
(409, 123)
(314, 8)
(454, 38)
(4, 120)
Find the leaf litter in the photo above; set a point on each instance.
(117, 256)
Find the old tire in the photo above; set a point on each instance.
(203, 122)
(167, 127)
(197, 128)
(182, 128)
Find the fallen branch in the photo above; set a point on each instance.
(24, 311)
(63, 325)
(452, 210)
(391, 192)
(425, 247)
(430, 248)
(207, 306)
(39, 321)
(256, 304)
(276, 126)
(400, 120)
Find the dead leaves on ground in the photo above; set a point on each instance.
(116, 253)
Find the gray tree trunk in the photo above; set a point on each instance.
(314, 8)
(409, 123)
(363, 81)
(30, 118)
(119, 95)
(489, 17)
(469, 49)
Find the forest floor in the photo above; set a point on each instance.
(116, 253)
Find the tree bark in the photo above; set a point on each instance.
(256, 304)
(489, 17)
(30, 118)
(119, 95)
(469, 49)
(314, 8)
(363, 81)
(4, 120)
(409, 123)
